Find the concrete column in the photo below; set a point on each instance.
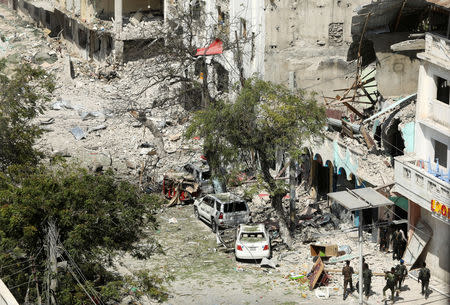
(118, 23)
(118, 16)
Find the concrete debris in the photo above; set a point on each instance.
(269, 263)
(96, 128)
(78, 133)
(60, 104)
(48, 121)
(173, 220)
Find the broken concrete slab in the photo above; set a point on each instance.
(78, 133)
(96, 128)
(269, 263)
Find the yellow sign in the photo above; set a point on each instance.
(440, 210)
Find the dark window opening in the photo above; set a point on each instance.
(196, 9)
(442, 90)
(440, 153)
(393, 142)
(238, 206)
(82, 38)
(243, 28)
(222, 77)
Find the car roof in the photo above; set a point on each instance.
(252, 228)
(226, 197)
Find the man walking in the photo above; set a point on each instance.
(396, 244)
(424, 277)
(367, 280)
(347, 271)
(400, 274)
(390, 283)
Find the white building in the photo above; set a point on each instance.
(423, 177)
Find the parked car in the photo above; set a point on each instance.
(252, 242)
(222, 210)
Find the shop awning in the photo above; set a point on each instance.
(213, 49)
(359, 199)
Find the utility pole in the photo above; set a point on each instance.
(292, 187)
(360, 235)
(52, 281)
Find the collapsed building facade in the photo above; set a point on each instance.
(363, 58)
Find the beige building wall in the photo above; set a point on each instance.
(438, 251)
(310, 38)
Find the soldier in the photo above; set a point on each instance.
(396, 244)
(367, 280)
(400, 274)
(347, 271)
(424, 276)
(390, 283)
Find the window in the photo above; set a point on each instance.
(440, 153)
(243, 28)
(196, 9)
(442, 90)
(209, 201)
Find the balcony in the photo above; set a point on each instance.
(437, 48)
(419, 181)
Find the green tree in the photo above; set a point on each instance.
(91, 218)
(22, 96)
(247, 133)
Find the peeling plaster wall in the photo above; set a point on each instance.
(397, 72)
(310, 38)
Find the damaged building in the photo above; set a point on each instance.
(423, 176)
(97, 29)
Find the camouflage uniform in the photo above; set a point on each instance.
(396, 244)
(390, 284)
(367, 280)
(400, 273)
(347, 271)
(424, 276)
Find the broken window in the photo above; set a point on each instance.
(440, 153)
(243, 28)
(222, 77)
(442, 90)
(196, 9)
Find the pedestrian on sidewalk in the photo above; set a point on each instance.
(424, 277)
(400, 274)
(390, 283)
(347, 271)
(367, 280)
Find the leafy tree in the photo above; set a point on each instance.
(22, 96)
(91, 218)
(246, 133)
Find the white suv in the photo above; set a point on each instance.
(222, 210)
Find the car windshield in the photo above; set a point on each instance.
(237, 206)
(252, 237)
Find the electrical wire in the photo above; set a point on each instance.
(80, 273)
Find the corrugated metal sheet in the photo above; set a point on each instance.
(359, 199)
(443, 3)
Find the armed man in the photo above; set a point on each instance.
(424, 277)
(390, 283)
(400, 274)
(347, 271)
(367, 280)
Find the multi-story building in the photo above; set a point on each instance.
(423, 177)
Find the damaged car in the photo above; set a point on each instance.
(222, 210)
(252, 242)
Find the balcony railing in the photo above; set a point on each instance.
(422, 179)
